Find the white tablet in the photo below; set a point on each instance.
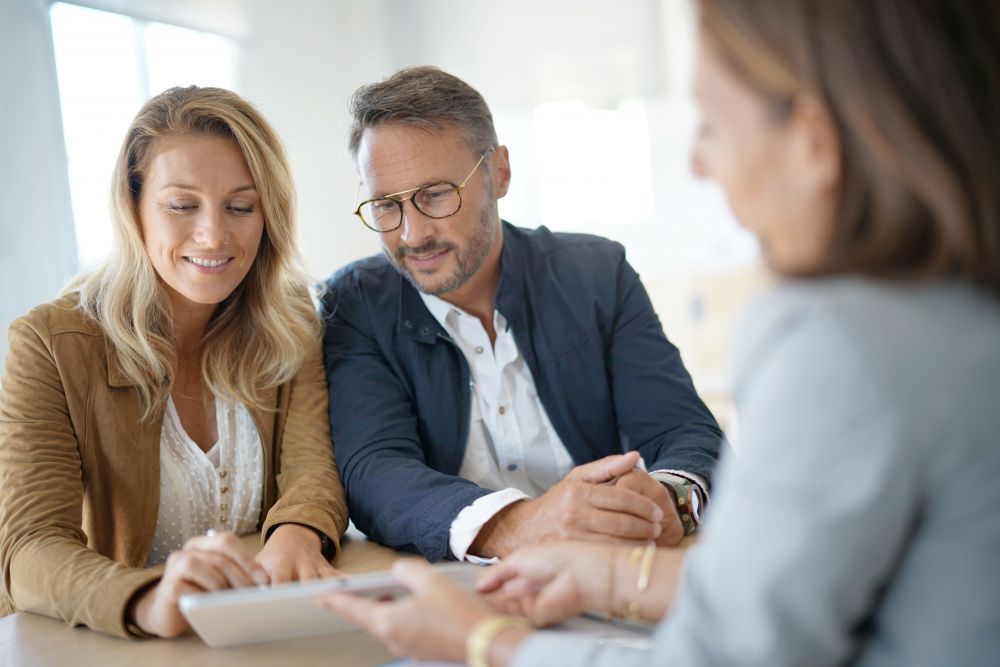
(286, 611)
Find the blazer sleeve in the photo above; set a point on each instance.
(309, 487)
(659, 411)
(395, 497)
(47, 567)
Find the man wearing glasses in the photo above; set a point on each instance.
(485, 379)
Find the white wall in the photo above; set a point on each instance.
(37, 245)
(301, 77)
(299, 61)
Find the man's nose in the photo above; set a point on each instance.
(416, 227)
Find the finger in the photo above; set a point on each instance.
(358, 610)
(236, 576)
(417, 575)
(230, 546)
(555, 603)
(494, 577)
(186, 566)
(624, 501)
(606, 469)
(280, 573)
(328, 571)
(618, 525)
(643, 484)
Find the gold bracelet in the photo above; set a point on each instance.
(644, 558)
(642, 583)
(480, 640)
(611, 586)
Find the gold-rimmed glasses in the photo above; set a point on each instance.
(436, 200)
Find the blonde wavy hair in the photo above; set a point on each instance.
(259, 336)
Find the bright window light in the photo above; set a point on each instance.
(595, 165)
(107, 65)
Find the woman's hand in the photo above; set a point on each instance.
(206, 563)
(548, 583)
(431, 624)
(292, 553)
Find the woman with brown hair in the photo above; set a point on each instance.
(859, 521)
(173, 399)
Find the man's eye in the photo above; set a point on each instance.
(433, 195)
(383, 205)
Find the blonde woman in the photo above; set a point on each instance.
(174, 398)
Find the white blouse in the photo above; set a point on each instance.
(220, 489)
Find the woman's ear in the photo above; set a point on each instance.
(816, 145)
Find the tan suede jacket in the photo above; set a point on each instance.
(80, 475)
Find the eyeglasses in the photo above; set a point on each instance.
(437, 200)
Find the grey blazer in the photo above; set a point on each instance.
(859, 520)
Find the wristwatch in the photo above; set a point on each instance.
(689, 497)
(326, 545)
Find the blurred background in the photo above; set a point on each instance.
(591, 97)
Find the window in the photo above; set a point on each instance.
(108, 65)
(595, 165)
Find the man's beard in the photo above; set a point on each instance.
(467, 261)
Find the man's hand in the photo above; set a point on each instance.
(671, 528)
(582, 506)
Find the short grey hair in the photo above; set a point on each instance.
(424, 97)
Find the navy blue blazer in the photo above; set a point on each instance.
(400, 395)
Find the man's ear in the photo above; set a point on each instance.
(500, 171)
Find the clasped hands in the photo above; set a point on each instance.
(607, 500)
(217, 561)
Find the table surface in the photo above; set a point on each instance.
(30, 640)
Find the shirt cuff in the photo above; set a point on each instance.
(471, 520)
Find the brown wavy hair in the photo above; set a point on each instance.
(259, 335)
(913, 88)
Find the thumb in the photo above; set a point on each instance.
(606, 469)
(415, 574)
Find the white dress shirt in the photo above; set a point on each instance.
(219, 489)
(513, 448)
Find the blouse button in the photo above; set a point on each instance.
(479, 349)
(224, 489)
(222, 474)
(223, 507)
(502, 409)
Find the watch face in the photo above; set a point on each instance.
(694, 499)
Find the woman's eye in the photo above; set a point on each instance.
(241, 210)
(181, 207)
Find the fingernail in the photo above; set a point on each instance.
(261, 578)
(657, 515)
